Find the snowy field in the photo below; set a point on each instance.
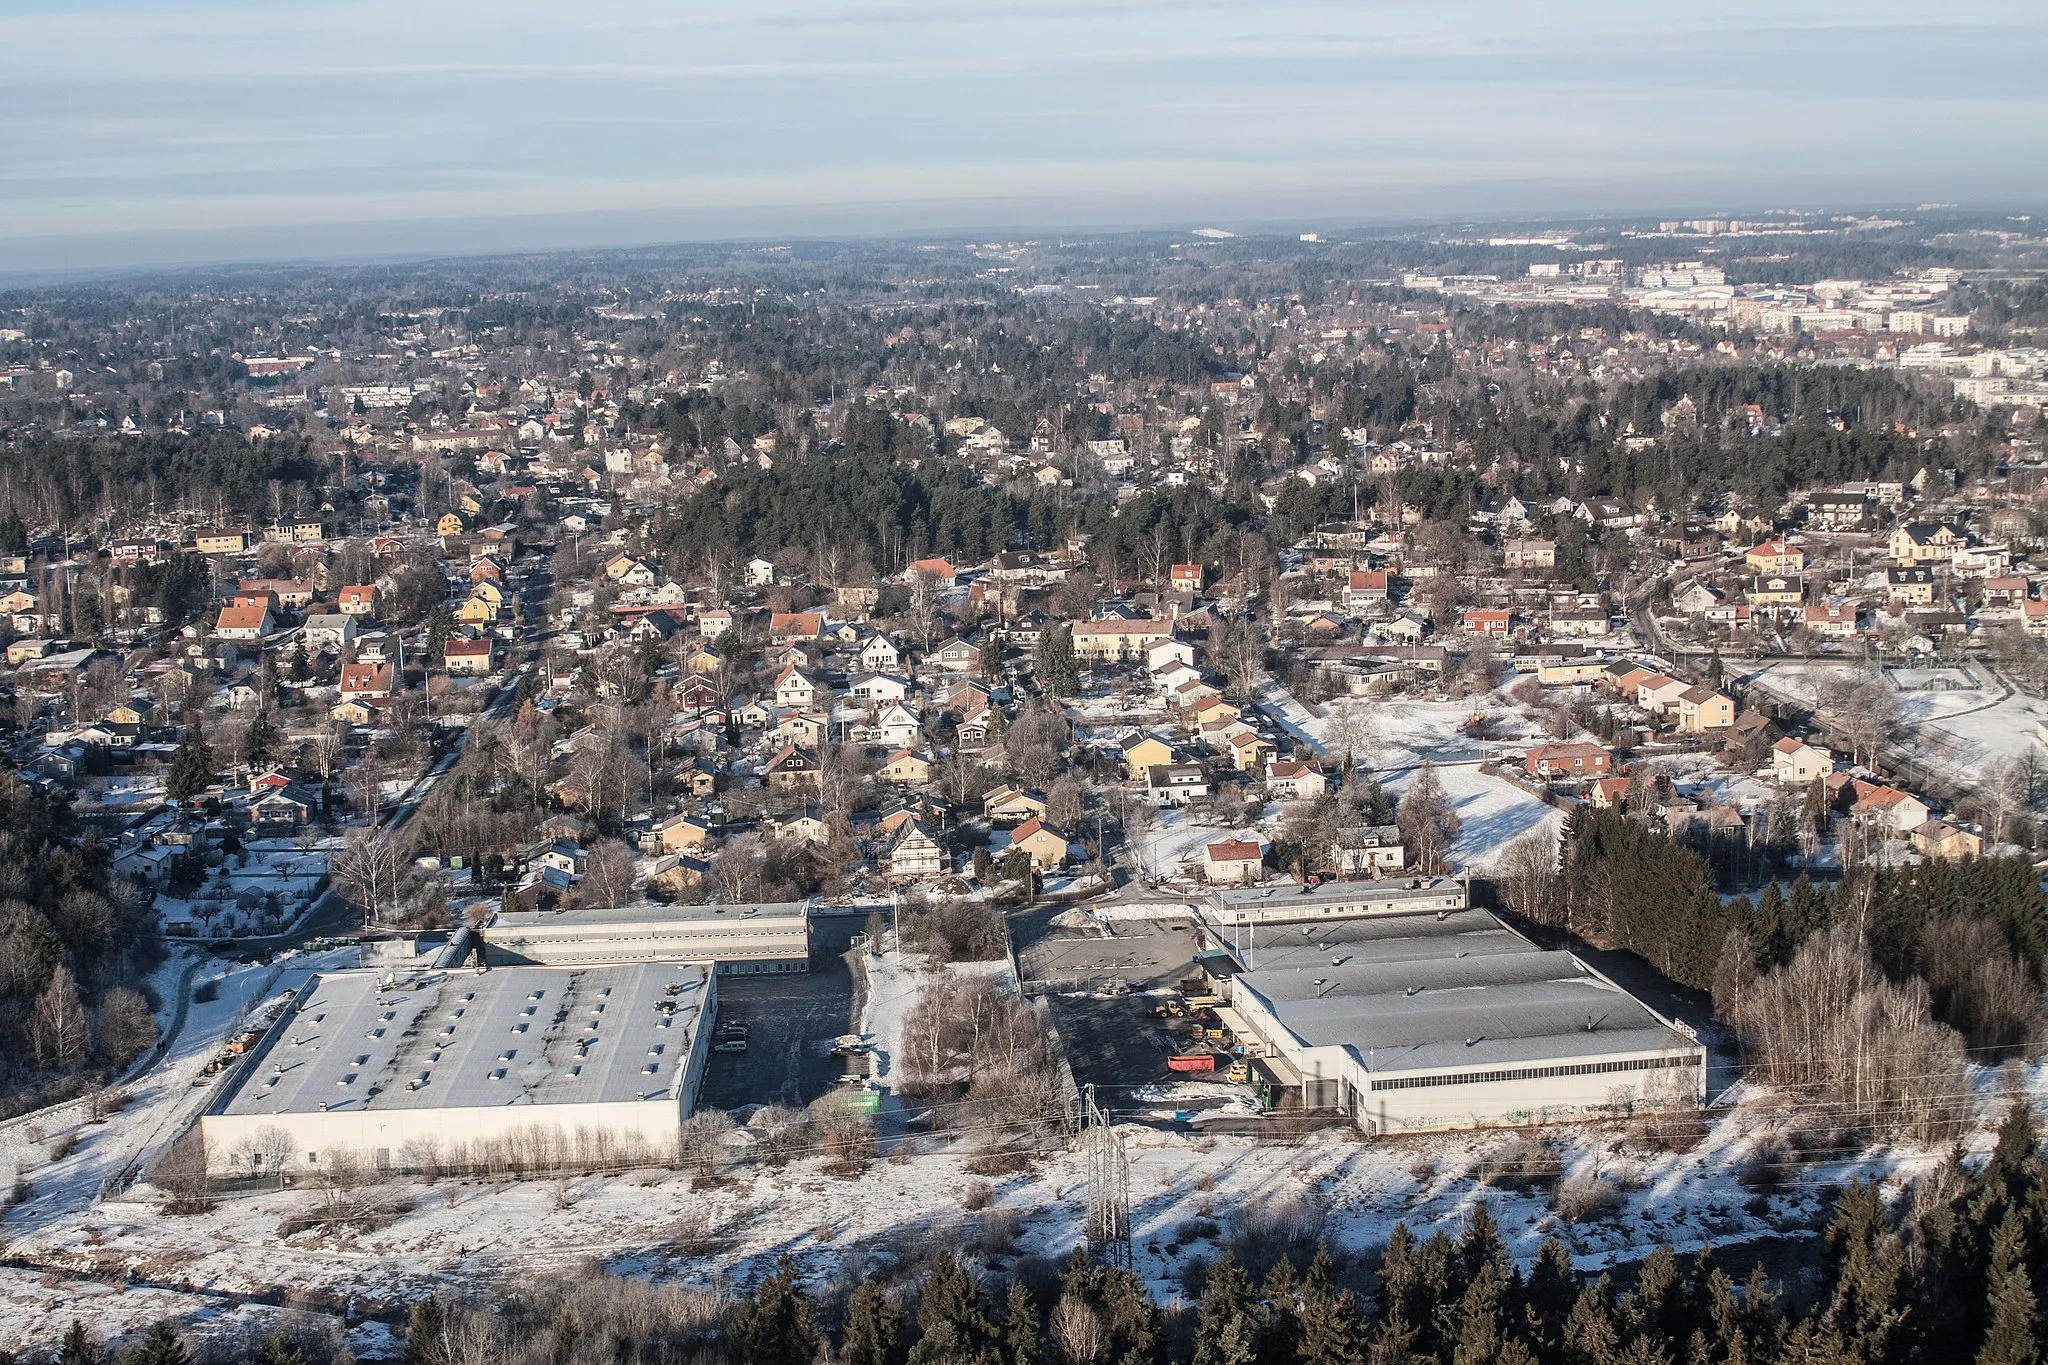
(1188, 1192)
(1405, 734)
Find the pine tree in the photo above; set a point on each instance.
(874, 1327)
(775, 1325)
(1022, 1344)
(1331, 1332)
(80, 1349)
(426, 1333)
(191, 770)
(1225, 1330)
(950, 1319)
(161, 1345)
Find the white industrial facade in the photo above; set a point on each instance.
(516, 1068)
(1292, 902)
(739, 938)
(1445, 1020)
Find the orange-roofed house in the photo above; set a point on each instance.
(1042, 843)
(240, 622)
(357, 599)
(1776, 556)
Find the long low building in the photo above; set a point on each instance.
(517, 1069)
(739, 938)
(1292, 902)
(1447, 1020)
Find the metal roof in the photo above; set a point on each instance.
(1427, 992)
(364, 1040)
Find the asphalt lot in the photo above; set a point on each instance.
(793, 1020)
(1111, 1041)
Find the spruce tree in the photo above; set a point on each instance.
(1279, 1326)
(161, 1345)
(2014, 1335)
(426, 1333)
(950, 1319)
(1331, 1331)
(279, 1349)
(775, 1324)
(80, 1349)
(191, 770)
(874, 1327)
(1225, 1330)
(1022, 1344)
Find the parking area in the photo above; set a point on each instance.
(791, 1022)
(1097, 987)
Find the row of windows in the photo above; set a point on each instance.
(1533, 1073)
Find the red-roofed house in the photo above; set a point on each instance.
(367, 680)
(1233, 862)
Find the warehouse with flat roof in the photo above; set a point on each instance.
(1289, 902)
(1445, 1020)
(768, 937)
(520, 1069)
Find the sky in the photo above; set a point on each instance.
(157, 131)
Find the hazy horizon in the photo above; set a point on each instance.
(153, 134)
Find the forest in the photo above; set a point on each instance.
(1944, 1273)
(76, 948)
(52, 480)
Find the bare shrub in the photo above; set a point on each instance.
(950, 930)
(1767, 1167)
(976, 1196)
(62, 1145)
(976, 1038)
(1828, 1024)
(106, 1102)
(704, 1140)
(1523, 1165)
(1076, 1330)
(1000, 1164)
(1587, 1199)
(180, 1173)
(1000, 1227)
(1261, 1234)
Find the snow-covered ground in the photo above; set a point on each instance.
(1406, 733)
(1186, 1191)
(160, 1101)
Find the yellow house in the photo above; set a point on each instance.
(1702, 708)
(450, 524)
(907, 766)
(476, 611)
(681, 832)
(1142, 751)
(489, 591)
(1248, 752)
(1939, 839)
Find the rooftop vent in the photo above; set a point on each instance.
(1476, 1039)
(1413, 990)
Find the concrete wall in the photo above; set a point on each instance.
(525, 1136)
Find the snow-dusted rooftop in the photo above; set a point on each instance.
(362, 1040)
(1458, 990)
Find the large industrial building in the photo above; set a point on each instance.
(1449, 1019)
(512, 1068)
(739, 938)
(1290, 902)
